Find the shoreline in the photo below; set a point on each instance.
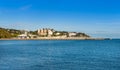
(50, 38)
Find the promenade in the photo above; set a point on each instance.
(55, 38)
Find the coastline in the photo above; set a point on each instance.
(54, 38)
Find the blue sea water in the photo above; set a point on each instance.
(60, 54)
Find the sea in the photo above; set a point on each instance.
(60, 54)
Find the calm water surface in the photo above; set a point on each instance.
(60, 55)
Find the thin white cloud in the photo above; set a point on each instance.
(26, 7)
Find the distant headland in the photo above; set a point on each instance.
(43, 34)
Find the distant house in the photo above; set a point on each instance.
(50, 32)
(23, 36)
(72, 34)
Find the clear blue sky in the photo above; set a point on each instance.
(99, 18)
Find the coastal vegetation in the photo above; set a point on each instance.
(9, 33)
(4, 33)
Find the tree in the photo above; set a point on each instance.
(4, 34)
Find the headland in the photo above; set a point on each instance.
(43, 34)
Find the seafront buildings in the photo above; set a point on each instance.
(51, 33)
(45, 32)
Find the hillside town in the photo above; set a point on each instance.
(51, 33)
(44, 33)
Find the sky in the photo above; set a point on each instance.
(98, 18)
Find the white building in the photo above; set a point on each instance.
(72, 34)
(23, 36)
(50, 32)
(26, 36)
